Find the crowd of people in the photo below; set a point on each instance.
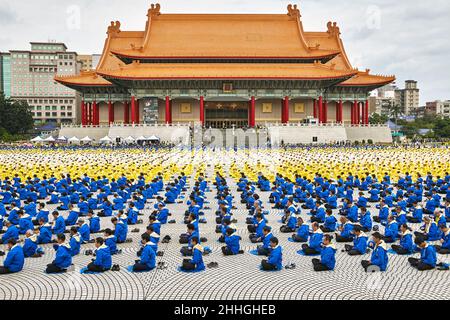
(377, 200)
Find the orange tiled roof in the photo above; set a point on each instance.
(226, 71)
(366, 79)
(85, 78)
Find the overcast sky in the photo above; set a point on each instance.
(407, 38)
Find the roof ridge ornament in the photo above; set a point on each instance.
(293, 11)
(155, 10)
(114, 28)
(333, 29)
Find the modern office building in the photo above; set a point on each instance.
(439, 108)
(5, 74)
(32, 79)
(408, 98)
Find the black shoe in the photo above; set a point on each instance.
(115, 267)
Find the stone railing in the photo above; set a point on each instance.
(123, 125)
(328, 125)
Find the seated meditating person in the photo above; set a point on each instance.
(232, 243)
(59, 224)
(444, 247)
(94, 222)
(365, 220)
(42, 214)
(275, 259)
(44, 232)
(330, 222)
(327, 261)
(428, 257)
(103, 260)
(196, 263)
(84, 231)
(257, 236)
(30, 246)
(315, 242)
(429, 231)
(359, 246)
(75, 241)
(120, 231)
(15, 258)
(162, 213)
(379, 257)
(345, 231)
(318, 213)
(147, 261)
(155, 224)
(391, 230)
(406, 242)
(291, 223)
(191, 234)
(73, 216)
(63, 257)
(25, 222)
(416, 213)
(264, 249)
(382, 214)
(12, 232)
(302, 234)
(110, 241)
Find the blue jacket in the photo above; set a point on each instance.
(380, 257)
(353, 213)
(15, 259)
(72, 218)
(292, 222)
(163, 215)
(111, 242)
(232, 243)
(366, 221)
(59, 226)
(11, 233)
(446, 238)
(25, 224)
(391, 230)
(103, 257)
(315, 242)
(303, 231)
(94, 224)
(259, 228)
(13, 216)
(266, 240)
(360, 243)
(428, 255)
(121, 231)
(276, 257)
(75, 245)
(197, 258)
(406, 242)
(63, 258)
(30, 246)
(328, 256)
(42, 214)
(45, 235)
(148, 257)
(85, 232)
(330, 223)
(347, 231)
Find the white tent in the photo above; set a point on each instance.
(106, 139)
(37, 139)
(74, 139)
(129, 139)
(49, 139)
(62, 138)
(141, 138)
(153, 138)
(86, 139)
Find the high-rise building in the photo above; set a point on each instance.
(439, 108)
(408, 98)
(383, 99)
(86, 61)
(5, 74)
(32, 79)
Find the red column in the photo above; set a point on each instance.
(325, 111)
(367, 112)
(252, 112)
(283, 114)
(90, 121)
(83, 113)
(363, 114)
(337, 111)
(110, 112)
(341, 112)
(285, 110)
(355, 104)
(315, 108)
(133, 109)
(320, 109)
(202, 110)
(137, 115)
(358, 114)
(168, 110)
(126, 112)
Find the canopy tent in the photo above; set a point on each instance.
(86, 139)
(154, 138)
(62, 138)
(49, 139)
(74, 139)
(141, 138)
(129, 139)
(37, 139)
(106, 139)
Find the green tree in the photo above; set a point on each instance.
(395, 111)
(378, 119)
(15, 116)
